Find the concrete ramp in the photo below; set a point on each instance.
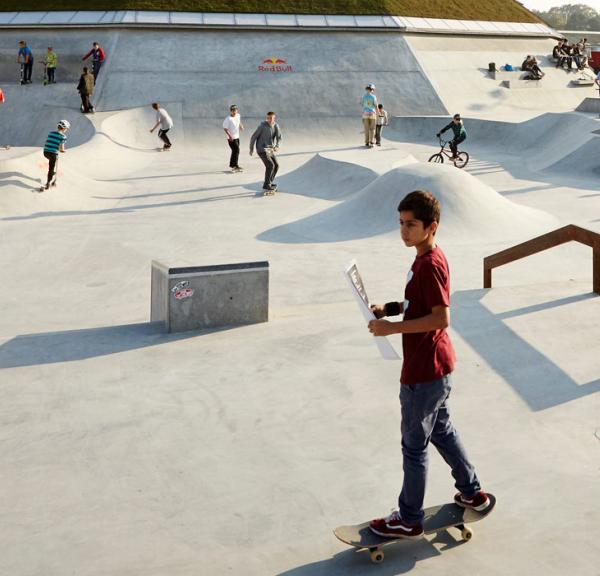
(131, 128)
(30, 112)
(467, 205)
(540, 142)
(319, 77)
(457, 68)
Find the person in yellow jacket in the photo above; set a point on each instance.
(50, 62)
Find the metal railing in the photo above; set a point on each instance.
(544, 242)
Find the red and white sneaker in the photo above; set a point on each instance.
(479, 501)
(393, 526)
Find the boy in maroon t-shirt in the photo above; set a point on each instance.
(425, 379)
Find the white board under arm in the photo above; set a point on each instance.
(360, 294)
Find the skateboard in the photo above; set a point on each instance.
(270, 191)
(437, 518)
(45, 77)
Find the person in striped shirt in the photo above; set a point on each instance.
(55, 143)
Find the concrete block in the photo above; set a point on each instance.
(521, 84)
(589, 105)
(199, 297)
(504, 75)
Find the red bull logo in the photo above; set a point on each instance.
(275, 65)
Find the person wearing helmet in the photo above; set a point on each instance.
(55, 143)
(369, 114)
(460, 134)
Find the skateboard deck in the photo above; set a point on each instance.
(437, 518)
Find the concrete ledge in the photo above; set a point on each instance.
(506, 75)
(199, 297)
(517, 84)
(589, 105)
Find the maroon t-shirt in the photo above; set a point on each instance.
(427, 355)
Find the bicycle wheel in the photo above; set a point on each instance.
(461, 160)
(437, 158)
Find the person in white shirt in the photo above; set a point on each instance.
(232, 125)
(382, 120)
(165, 122)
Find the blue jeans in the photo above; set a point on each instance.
(425, 417)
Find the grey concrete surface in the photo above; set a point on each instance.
(204, 297)
(127, 451)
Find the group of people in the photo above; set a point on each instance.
(50, 61)
(265, 140)
(374, 117)
(565, 54)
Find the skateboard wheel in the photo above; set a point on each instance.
(377, 556)
(466, 533)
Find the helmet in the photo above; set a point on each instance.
(64, 124)
(370, 86)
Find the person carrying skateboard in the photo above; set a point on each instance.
(232, 125)
(267, 138)
(165, 122)
(25, 58)
(55, 143)
(460, 134)
(425, 381)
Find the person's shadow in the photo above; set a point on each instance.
(400, 558)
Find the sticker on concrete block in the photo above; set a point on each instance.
(182, 290)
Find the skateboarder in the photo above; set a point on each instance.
(165, 122)
(267, 138)
(25, 58)
(51, 61)
(232, 126)
(98, 57)
(86, 89)
(425, 381)
(369, 114)
(460, 134)
(55, 143)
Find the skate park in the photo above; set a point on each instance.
(128, 450)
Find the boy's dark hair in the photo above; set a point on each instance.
(85, 69)
(155, 105)
(379, 106)
(424, 206)
(271, 114)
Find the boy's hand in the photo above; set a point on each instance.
(381, 328)
(378, 310)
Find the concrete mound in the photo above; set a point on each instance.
(469, 208)
(325, 178)
(337, 175)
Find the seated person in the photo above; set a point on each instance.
(559, 55)
(530, 65)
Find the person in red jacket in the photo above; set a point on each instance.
(98, 57)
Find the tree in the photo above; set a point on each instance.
(571, 17)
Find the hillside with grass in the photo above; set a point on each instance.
(496, 10)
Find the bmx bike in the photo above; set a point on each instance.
(460, 161)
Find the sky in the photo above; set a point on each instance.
(545, 5)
